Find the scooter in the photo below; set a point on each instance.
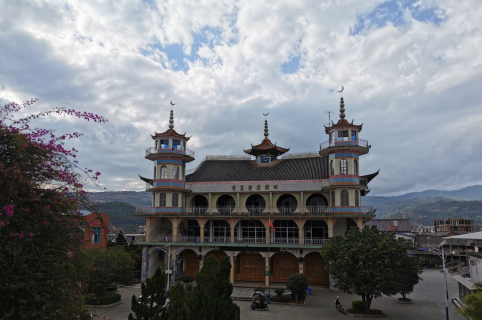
(339, 307)
(259, 301)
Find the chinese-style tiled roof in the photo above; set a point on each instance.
(310, 168)
(384, 225)
(147, 180)
(171, 131)
(266, 146)
(369, 177)
(342, 123)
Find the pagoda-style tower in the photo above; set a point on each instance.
(266, 152)
(343, 150)
(170, 155)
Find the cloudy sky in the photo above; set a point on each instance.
(412, 72)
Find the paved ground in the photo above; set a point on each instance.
(428, 303)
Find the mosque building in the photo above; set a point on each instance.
(225, 206)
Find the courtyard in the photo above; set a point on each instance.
(428, 303)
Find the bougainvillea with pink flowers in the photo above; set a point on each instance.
(42, 187)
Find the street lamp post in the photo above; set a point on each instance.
(168, 265)
(445, 276)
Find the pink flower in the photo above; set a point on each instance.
(47, 207)
(31, 234)
(3, 224)
(26, 210)
(26, 145)
(21, 236)
(46, 223)
(58, 219)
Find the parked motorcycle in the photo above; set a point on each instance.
(339, 307)
(259, 301)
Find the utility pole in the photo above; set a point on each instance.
(168, 271)
(329, 116)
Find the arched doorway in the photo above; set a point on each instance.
(218, 254)
(314, 267)
(282, 266)
(191, 263)
(225, 205)
(287, 204)
(249, 266)
(199, 205)
(255, 204)
(317, 204)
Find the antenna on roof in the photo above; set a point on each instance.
(329, 116)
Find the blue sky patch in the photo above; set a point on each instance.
(393, 11)
(292, 66)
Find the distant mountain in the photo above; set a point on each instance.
(473, 193)
(121, 215)
(138, 199)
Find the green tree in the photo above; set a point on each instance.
(105, 267)
(408, 276)
(177, 309)
(473, 304)
(153, 297)
(298, 284)
(365, 262)
(41, 241)
(211, 297)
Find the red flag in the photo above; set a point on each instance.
(271, 224)
(391, 228)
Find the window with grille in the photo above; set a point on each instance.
(353, 136)
(163, 172)
(343, 167)
(163, 143)
(332, 198)
(175, 200)
(176, 144)
(332, 168)
(344, 198)
(355, 167)
(162, 199)
(285, 229)
(175, 172)
(96, 235)
(343, 135)
(357, 200)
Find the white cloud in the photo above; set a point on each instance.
(415, 87)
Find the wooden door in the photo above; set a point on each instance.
(284, 264)
(191, 262)
(251, 267)
(314, 267)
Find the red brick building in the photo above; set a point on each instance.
(95, 235)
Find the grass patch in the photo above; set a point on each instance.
(107, 299)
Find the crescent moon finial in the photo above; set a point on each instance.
(341, 89)
(172, 103)
(265, 114)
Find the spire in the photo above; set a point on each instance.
(171, 120)
(266, 129)
(342, 108)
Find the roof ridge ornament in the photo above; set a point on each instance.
(171, 120)
(266, 133)
(342, 104)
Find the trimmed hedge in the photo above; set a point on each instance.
(259, 288)
(285, 298)
(279, 292)
(358, 305)
(102, 300)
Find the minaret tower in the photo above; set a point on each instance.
(169, 155)
(343, 150)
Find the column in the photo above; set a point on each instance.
(302, 204)
(210, 205)
(231, 275)
(330, 227)
(266, 277)
(174, 229)
(201, 229)
(267, 234)
(360, 223)
(237, 203)
(145, 263)
(148, 229)
(232, 231)
(271, 202)
(173, 264)
(300, 232)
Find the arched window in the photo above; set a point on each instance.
(357, 200)
(163, 172)
(255, 204)
(332, 168)
(355, 167)
(155, 172)
(317, 204)
(332, 198)
(175, 172)
(162, 199)
(344, 198)
(287, 204)
(175, 200)
(343, 167)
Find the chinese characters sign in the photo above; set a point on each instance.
(253, 187)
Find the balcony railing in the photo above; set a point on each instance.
(333, 143)
(153, 150)
(285, 240)
(217, 239)
(259, 211)
(314, 240)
